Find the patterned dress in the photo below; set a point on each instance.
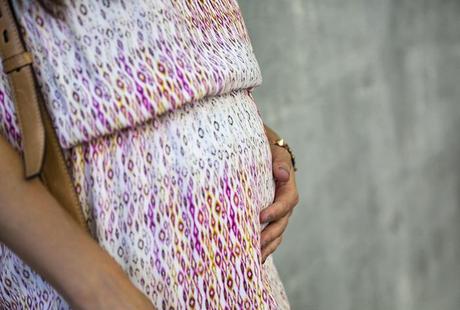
(152, 104)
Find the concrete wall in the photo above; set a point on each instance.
(368, 94)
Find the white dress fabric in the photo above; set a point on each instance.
(168, 153)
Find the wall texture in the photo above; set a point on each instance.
(368, 94)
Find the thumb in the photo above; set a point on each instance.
(281, 171)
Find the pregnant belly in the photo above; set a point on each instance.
(176, 202)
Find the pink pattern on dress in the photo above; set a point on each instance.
(166, 146)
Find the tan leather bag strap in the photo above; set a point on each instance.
(42, 154)
(17, 64)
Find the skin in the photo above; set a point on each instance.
(72, 262)
(286, 198)
(56, 247)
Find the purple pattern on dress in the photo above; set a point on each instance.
(172, 191)
(109, 65)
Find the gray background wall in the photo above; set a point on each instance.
(368, 94)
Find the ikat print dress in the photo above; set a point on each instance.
(152, 104)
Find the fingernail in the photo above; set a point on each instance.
(283, 171)
(266, 218)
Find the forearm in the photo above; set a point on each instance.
(38, 230)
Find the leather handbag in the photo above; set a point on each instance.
(42, 155)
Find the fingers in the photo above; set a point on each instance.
(275, 211)
(273, 231)
(286, 195)
(286, 198)
(282, 164)
(270, 248)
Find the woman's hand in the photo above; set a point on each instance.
(113, 291)
(286, 198)
(37, 229)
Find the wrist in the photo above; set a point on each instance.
(95, 283)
